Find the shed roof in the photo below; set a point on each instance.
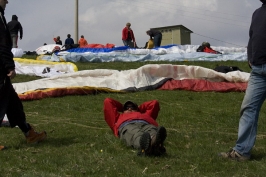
(173, 26)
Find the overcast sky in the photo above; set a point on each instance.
(220, 22)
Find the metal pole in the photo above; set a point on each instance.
(77, 22)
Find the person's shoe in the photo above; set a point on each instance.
(2, 148)
(159, 137)
(145, 144)
(33, 137)
(232, 154)
(157, 141)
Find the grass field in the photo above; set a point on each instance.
(79, 143)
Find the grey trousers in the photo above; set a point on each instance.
(131, 133)
(14, 38)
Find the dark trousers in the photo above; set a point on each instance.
(132, 132)
(129, 43)
(157, 40)
(11, 105)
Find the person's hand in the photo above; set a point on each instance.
(11, 74)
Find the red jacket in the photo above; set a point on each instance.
(210, 50)
(125, 34)
(148, 111)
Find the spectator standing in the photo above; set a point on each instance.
(128, 37)
(14, 27)
(69, 40)
(82, 42)
(256, 90)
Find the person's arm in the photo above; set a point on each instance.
(111, 112)
(151, 108)
(149, 33)
(133, 37)
(200, 49)
(21, 31)
(124, 34)
(6, 56)
(249, 47)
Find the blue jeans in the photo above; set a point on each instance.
(129, 43)
(157, 40)
(250, 108)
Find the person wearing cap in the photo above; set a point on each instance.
(128, 37)
(136, 125)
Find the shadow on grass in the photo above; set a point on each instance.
(257, 156)
(59, 142)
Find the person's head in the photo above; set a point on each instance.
(147, 32)
(128, 25)
(58, 37)
(130, 106)
(14, 17)
(82, 36)
(68, 35)
(44, 44)
(263, 1)
(206, 44)
(3, 3)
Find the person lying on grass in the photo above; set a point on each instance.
(136, 125)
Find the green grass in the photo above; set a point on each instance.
(199, 126)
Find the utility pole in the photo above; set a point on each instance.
(77, 22)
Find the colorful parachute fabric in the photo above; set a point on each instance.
(147, 77)
(163, 53)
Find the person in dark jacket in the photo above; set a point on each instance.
(14, 27)
(58, 40)
(10, 104)
(69, 40)
(156, 36)
(256, 90)
(136, 125)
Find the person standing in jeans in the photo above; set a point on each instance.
(14, 27)
(128, 37)
(256, 90)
